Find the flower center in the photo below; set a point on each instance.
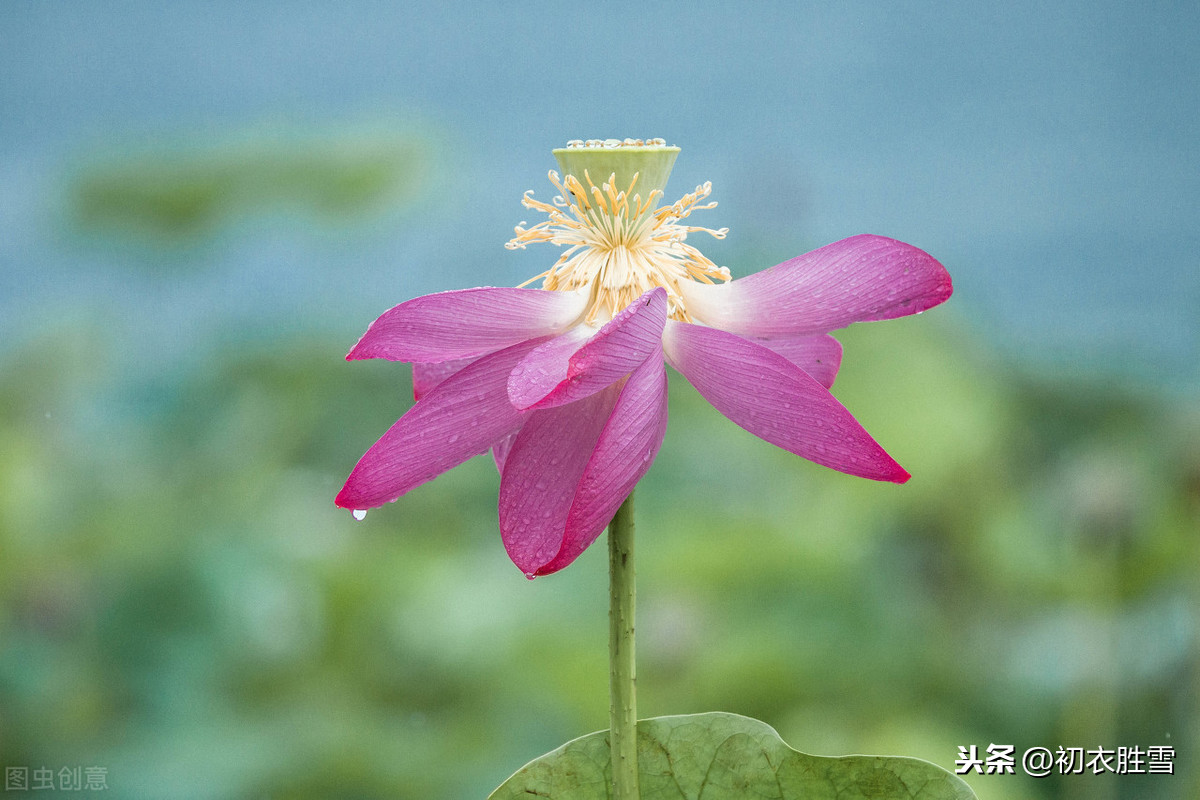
(618, 245)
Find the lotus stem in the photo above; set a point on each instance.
(622, 671)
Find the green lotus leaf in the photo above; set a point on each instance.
(721, 756)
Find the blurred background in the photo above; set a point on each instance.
(202, 207)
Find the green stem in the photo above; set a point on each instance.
(622, 672)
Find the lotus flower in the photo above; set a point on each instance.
(566, 384)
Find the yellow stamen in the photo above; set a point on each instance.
(619, 246)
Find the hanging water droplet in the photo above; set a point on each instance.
(359, 513)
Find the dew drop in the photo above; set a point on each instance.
(453, 438)
(359, 513)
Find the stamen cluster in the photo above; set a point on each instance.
(619, 245)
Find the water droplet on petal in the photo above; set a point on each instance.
(359, 513)
(453, 438)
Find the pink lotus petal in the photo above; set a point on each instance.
(624, 452)
(501, 449)
(858, 279)
(775, 400)
(427, 376)
(541, 476)
(461, 417)
(468, 322)
(819, 354)
(573, 465)
(546, 367)
(562, 371)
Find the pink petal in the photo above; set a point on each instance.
(468, 322)
(427, 376)
(624, 453)
(546, 367)
(573, 465)
(858, 279)
(568, 368)
(775, 400)
(542, 473)
(501, 449)
(819, 355)
(461, 417)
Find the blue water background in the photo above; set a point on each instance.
(1046, 153)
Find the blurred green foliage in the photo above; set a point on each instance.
(174, 195)
(181, 603)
